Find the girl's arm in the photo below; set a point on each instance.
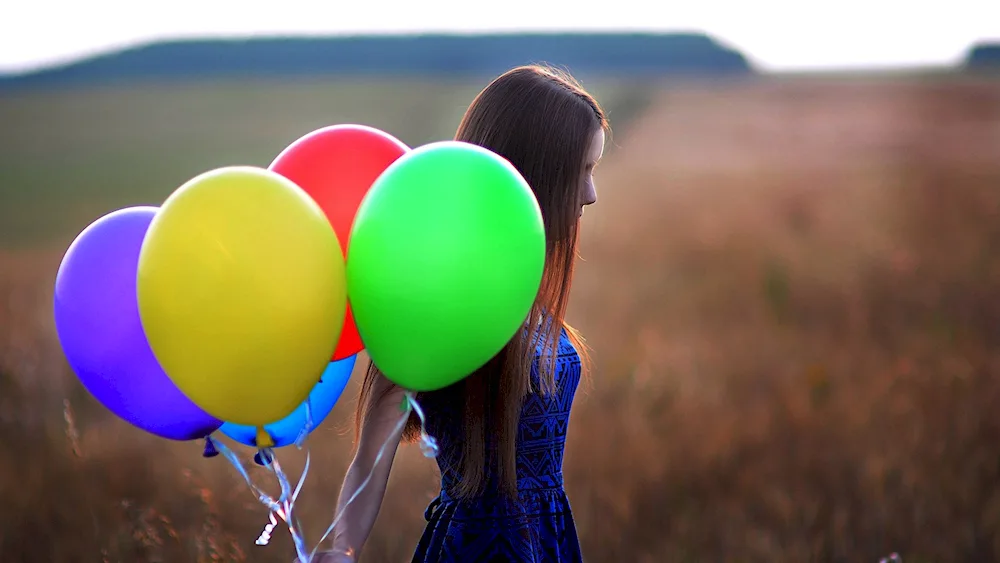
(382, 427)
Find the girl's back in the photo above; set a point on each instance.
(539, 525)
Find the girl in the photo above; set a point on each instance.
(502, 430)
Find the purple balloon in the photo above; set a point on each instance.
(97, 319)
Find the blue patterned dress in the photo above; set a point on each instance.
(539, 527)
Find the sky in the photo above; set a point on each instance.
(777, 35)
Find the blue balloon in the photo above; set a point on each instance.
(316, 407)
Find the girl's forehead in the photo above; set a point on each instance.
(597, 145)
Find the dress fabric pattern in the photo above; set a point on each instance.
(539, 526)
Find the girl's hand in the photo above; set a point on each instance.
(380, 431)
(332, 557)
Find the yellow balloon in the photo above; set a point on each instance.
(242, 293)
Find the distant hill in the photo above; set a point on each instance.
(418, 55)
(985, 56)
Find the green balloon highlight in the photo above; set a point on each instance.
(445, 260)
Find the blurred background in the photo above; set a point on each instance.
(791, 282)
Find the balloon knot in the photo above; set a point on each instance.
(264, 439)
(210, 450)
(263, 457)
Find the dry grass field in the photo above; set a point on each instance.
(792, 292)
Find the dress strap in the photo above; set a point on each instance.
(433, 509)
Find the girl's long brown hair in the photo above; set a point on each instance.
(543, 122)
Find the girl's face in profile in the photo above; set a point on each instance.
(588, 191)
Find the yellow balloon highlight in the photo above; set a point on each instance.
(242, 293)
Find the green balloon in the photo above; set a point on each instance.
(445, 260)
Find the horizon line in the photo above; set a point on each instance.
(132, 45)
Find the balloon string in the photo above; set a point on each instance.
(428, 446)
(287, 502)
(308, 427)
(283, 506)
(227, 453)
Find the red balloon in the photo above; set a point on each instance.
(337, 165)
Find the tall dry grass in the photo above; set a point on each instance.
(791, 290)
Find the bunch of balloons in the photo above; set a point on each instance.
(241, 302)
